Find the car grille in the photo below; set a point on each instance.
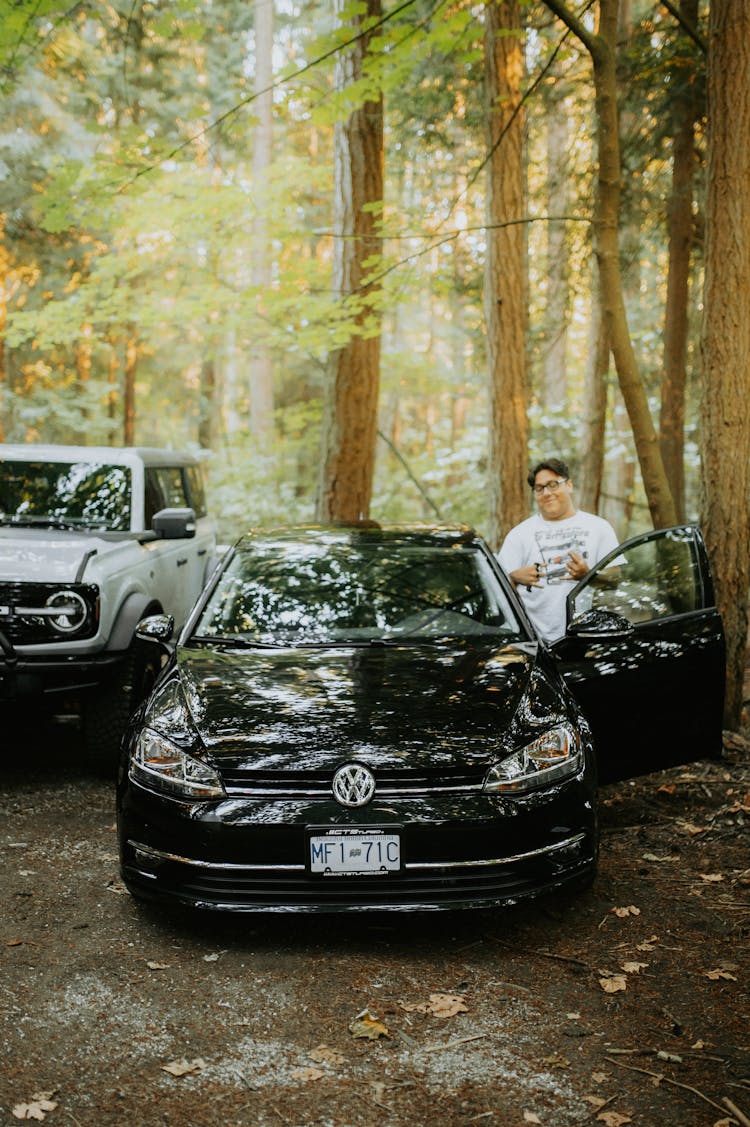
(304, 784)
(26, 619)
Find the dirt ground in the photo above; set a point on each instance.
(624, 1004)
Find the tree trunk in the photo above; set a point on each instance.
(594, 409)
(725, 431)
(261, 374)
(131, 362)
(350, 418)
(681, 228)
(558, 298)
(602, 48)
(505, 270)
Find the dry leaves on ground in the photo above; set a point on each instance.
(366, 1026)
(439, 1005)
(183, 1067)
(37, 1107)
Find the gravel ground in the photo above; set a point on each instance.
(624, 1004)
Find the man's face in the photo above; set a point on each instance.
(555, 503)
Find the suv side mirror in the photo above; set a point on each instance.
(174, 524)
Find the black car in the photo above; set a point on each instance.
(363, 718)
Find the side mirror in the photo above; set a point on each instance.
(599, 625)
(174, 524)
(155, 628)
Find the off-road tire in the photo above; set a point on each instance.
(105, 713)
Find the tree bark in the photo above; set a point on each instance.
(681, 236)
(261, 373)
(725, 431)
(350, 417)
(602, 48)
(131, 363)
(594, 409)
(505, 270)
(558, 296)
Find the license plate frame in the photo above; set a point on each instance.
(339, 852)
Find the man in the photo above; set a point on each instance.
(546, 554)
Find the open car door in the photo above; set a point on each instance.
(643, 654)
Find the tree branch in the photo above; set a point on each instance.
(575, 24)
(686, 26)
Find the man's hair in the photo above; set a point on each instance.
(554, 465)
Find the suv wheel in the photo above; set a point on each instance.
(105, 713)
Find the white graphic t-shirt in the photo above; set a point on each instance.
(549, 543)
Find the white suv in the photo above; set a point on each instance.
(93, 539)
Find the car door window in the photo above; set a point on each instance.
(654, 579)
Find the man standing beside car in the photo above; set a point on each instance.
(549, 552)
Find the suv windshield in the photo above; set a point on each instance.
(301, 593)
(67, 494)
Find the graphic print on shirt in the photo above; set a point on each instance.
(555, 546)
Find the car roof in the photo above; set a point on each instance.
(112, 455)
(360, 532)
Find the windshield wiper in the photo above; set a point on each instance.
(223, 641)
(41, 522)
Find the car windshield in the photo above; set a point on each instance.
(65, 494)
(355, 592)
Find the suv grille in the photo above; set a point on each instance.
(48, 612)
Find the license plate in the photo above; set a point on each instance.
(354, 852)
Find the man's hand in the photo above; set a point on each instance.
(529, 576)
(576, 566)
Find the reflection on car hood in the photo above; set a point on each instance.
(288, 709)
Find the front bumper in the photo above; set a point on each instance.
(475, 852)
(25, 678)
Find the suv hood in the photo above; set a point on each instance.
(33, 555)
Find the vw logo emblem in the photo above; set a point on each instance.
(353, 785)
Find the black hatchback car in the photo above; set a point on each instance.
(363, 718)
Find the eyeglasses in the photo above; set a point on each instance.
(552, 486)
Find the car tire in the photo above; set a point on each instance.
(105, 713)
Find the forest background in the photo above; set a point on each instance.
(375, 260)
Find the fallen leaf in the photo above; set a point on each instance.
(306, 1074)
(653, 857)
(599, 1077)
(714, 975)
(14, 943)
(37, 1108)
(698, 1045)
(614, 984)
(613, 1119)
(157, 966)
(555, 1060)
(690, 828)
(648, 944)
(324, 1055)
(531, 1117)
(595, 1101)
(211, 958)
(367, 1026)
(439, 1005)
(667, 788)
(634, 968)
(622, 913)
(115, 886)
(711, 877)
(184, 1067)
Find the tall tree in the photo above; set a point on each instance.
(261, 375)
(505, 268)
(685, 109)
(725, 432)
(350, 420)
(602, 47)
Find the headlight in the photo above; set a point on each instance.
(549, 758)
(158, 764)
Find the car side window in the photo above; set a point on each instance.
(172, 487)
(655, 579)
(153, 498)
(196, 490)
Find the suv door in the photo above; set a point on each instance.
(644, 654)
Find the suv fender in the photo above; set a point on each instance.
(135, 607)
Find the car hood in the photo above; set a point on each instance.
(394, 705)
(38, 556)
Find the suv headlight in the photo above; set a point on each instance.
(549, 758)
(159, 764)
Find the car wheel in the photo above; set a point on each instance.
(105, 713)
